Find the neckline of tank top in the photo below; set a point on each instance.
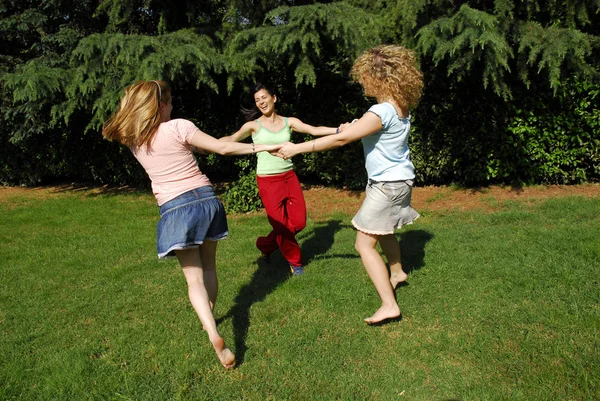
(271, 131)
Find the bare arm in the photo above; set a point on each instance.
(227, 148)
(247, 129)
(367, 125)
(299, 126)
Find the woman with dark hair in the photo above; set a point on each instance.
(278, 184)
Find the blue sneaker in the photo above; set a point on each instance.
(297, 270)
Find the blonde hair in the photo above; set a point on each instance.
(390, 71)
(138, 117)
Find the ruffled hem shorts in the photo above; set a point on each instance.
(190, 219)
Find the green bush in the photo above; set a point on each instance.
(537, 138)
(561, 136)
(242, 196)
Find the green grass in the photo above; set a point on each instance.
(498, 306)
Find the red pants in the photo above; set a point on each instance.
(283, 200)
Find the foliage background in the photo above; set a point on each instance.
(510, 98)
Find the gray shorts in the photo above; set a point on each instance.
(385, 208)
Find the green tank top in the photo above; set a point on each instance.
(267, 163)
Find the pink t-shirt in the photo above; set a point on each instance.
(171, 164)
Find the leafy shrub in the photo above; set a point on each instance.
(537, 138)
(561, 136)
(242, 195)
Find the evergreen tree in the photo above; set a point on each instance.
(64, 63)
(503, 37)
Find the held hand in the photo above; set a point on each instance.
(342, 127)
(274, 149)
(287, 151)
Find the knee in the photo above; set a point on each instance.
(358, 246)
(298, 227)
(193, 275)
(363, 247)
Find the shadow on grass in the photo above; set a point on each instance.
(92, 190)
(412, 249)
(315, 245)
(320, 240)
(270, 276)
(264, 281)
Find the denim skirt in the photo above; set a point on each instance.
(190, 219)
(385, 208)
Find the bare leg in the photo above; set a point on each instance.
(208, 257)
(375, 267)
(191, 264)
(391, 249)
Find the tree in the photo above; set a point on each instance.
(65, 63)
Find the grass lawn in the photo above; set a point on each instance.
(500, 304)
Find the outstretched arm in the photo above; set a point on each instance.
(244, 132)
(367, 125)
(299, 126)
(208, 143)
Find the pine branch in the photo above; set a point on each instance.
(552, 49)
(467, 38)
(296, 36)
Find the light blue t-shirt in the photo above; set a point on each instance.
(387, 157)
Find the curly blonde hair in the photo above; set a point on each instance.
(389, 71)
(138, 117)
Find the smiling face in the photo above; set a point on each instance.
(265, 102)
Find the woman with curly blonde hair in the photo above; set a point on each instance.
(389, 74)
(192, 218)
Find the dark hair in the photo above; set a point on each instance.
(252, 113)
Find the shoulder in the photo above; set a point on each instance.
(382, 109)
(185, 129)
(179, 123)
(385, 111)
(293, 122)
(253, 125)
(249, 128)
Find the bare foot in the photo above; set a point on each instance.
(225, 355)
(384, 313)
(397, 278)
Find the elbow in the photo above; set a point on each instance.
(339, 142)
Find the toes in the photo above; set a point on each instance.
(227, 358)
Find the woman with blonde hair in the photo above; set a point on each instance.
(192, 218)
(391, 75)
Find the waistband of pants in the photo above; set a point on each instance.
(276, 177)
(371, 182)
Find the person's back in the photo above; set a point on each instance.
(192, 219)
(170, 162)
